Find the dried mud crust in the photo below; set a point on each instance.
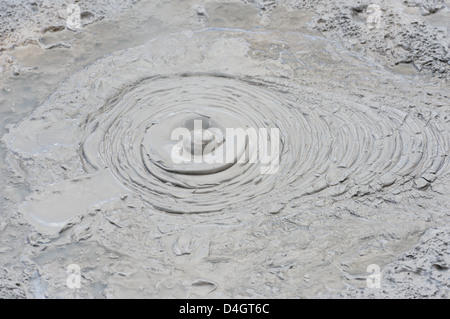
(18, 270)
(25, 21)
(421, 272)
(400, 38)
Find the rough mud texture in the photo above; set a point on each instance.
(27, 21)
(330, 146)
(363, 172)
(426, 7)
(402, 37)
(422, 272)
(348, 154)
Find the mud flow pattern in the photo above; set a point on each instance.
(331, 144)
(348, 151)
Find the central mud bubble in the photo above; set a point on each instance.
(190, 143)
(205, 170)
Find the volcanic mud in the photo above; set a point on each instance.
(362, 174)
(27, 22)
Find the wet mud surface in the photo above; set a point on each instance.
(363, 172)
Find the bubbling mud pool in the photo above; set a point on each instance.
(330, 147)
(346, 150)
(354, 138)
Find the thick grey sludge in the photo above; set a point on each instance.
(334, 143)
(363, 173)
(350, 149)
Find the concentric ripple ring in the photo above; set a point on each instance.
(352, 150)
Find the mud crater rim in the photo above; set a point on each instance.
(350, 151)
